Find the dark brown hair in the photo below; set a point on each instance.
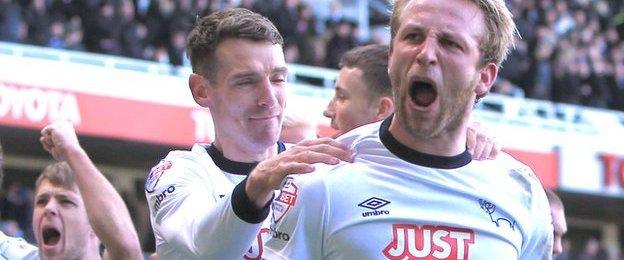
(372, 60)
(209, 31)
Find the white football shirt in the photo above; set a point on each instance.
(198, 207)
(397, 203)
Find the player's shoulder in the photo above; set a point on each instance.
(326, 177)
(515, 167)
(178, 166)
(16, 248)
(515, 177)
(359, 134)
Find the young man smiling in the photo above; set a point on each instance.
(202, 203)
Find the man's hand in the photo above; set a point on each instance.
(59, 139)
(299, 159)
(481, 144)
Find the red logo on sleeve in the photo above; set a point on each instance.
(285, 200)
(429, 242)
(154, 175)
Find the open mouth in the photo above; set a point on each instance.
(423, 93)
(51, 236)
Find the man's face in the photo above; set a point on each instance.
(560, 228)
(247, 97)
(433, 65)
(60, 223)
(351, 105)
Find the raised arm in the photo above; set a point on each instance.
(107, 214)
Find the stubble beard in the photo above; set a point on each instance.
(448, 119)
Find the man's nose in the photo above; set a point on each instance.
(427, 52)
(267, 96)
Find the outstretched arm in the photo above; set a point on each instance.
(299, 159)
(108, 214)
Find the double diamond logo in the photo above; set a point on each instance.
(374, 203)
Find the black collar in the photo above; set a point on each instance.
(234, 167)
(416, 157)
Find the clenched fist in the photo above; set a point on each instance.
(59, 138)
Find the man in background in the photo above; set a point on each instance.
(560, 226)
(76, 207)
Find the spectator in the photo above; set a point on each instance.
(10, 21)
(551, 29)
(38, 20)
(342, 40)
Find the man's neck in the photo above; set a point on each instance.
(249, 154)
(448, 143)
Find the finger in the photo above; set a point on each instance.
(296, 168)
(277, 175)
(312, 157)
(323, 140)
(495, 151)
(338, 152)
(487, 149)
(47, 145)
(478, 148)
(471, 141)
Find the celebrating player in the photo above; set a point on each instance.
(413, 191)
(201, 204)
(363, 95)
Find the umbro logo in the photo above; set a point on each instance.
(374, 203)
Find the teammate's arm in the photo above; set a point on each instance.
(106, 211)
(195, 224)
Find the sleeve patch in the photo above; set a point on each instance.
(285, 200)
(155, 174)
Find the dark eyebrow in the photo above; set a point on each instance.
(42, 195)
(63, 196)
(280, 70)
(341, 90)
(244, 74)
(413, 27)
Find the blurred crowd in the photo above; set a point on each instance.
(571, 50)
(156, 29)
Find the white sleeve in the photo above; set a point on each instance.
(299, 214)
(539, 242)
(16, 248)
(193, 222)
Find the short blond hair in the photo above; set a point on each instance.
(499, 38)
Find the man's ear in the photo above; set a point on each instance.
(199, 89)
(487, 76)
(386, 107)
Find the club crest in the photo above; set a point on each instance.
(285, 200)
(155, 174)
